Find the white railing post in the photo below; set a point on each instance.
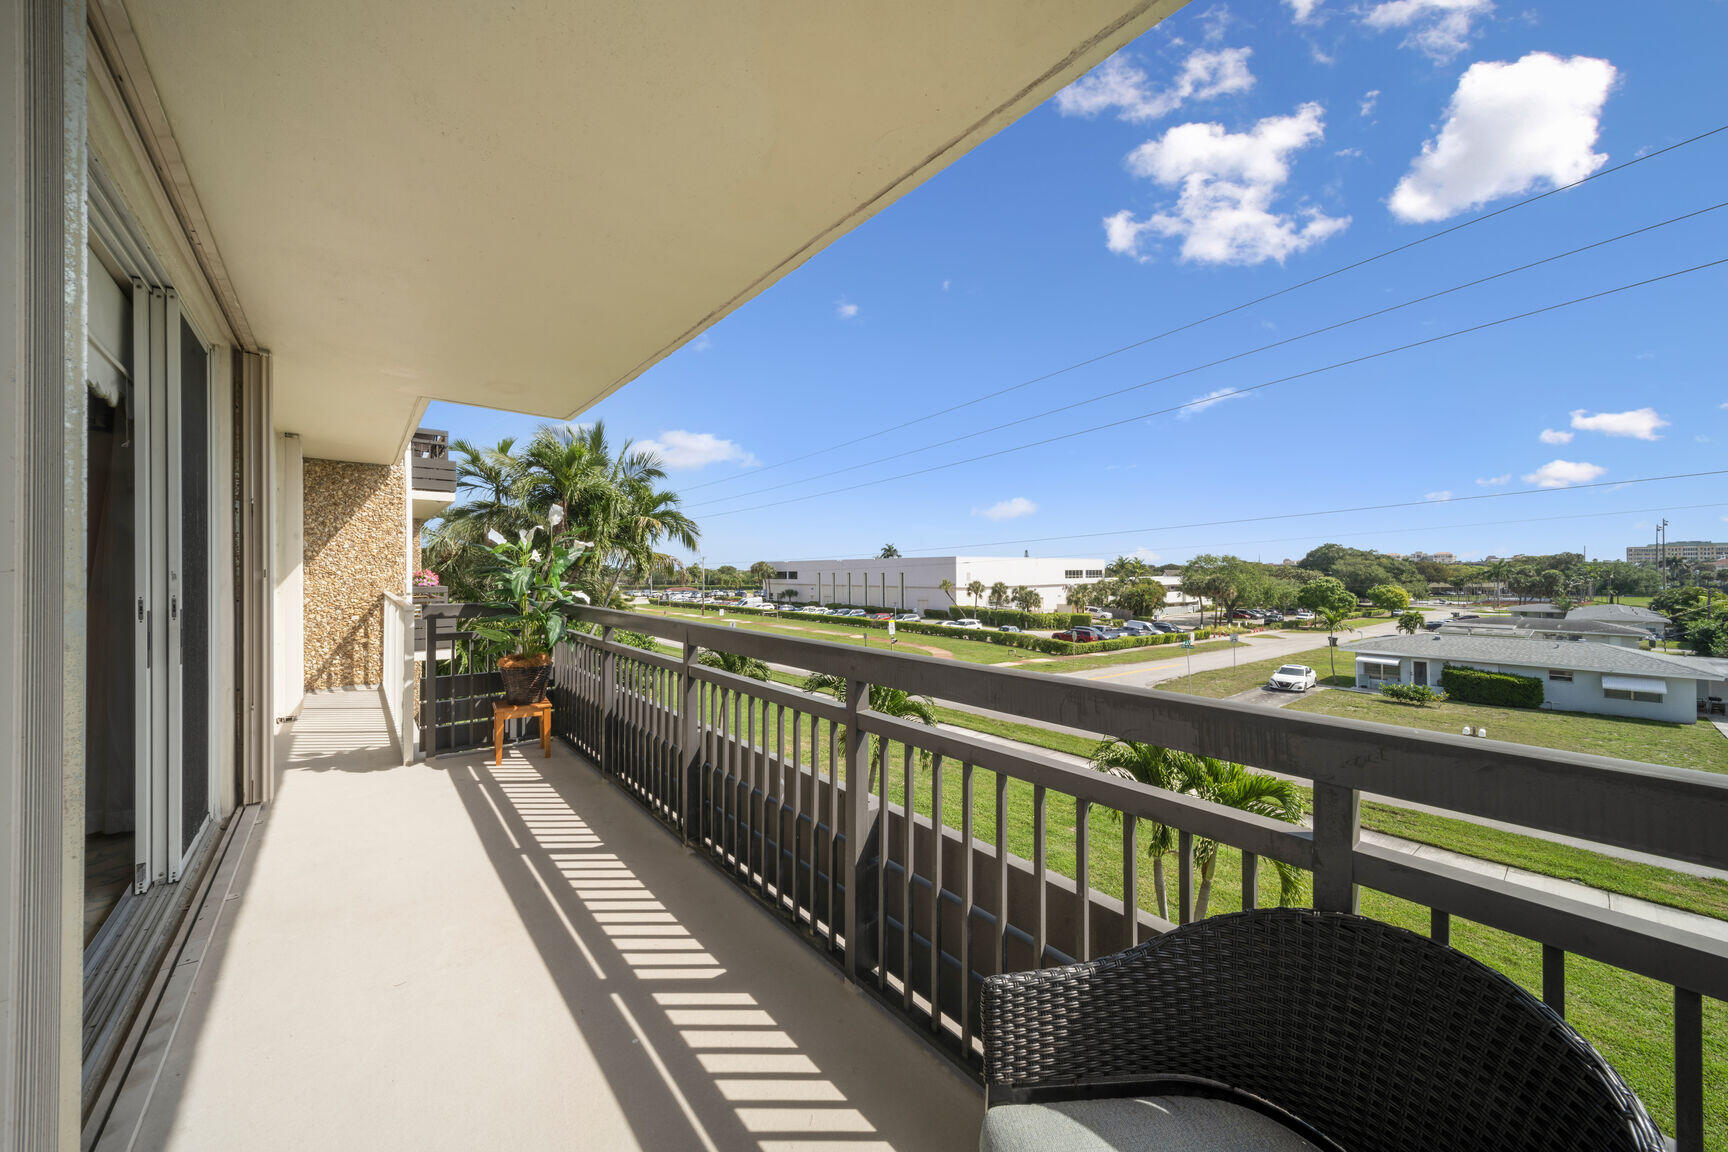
(396, 684)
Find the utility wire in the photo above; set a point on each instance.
(951, 549)
(1222, 359)
(1419, 241)
(1231, 393)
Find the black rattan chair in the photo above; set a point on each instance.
(1378, 1038)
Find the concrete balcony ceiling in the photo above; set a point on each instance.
(526, 206)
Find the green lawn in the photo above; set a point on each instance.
(1221, 682)
(1676, 745)
(1629, 1018)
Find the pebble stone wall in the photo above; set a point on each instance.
(355, 550)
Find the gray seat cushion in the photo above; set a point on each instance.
(1146, 1124)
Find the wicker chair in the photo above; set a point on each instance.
(1375, 1037)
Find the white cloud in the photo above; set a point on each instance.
(1638, 424)
(1443, 495)
(1370, 99)
(1302, 10)
(1555, 436)
(701, 343)
(1563, 474)
(1228, 181)
(945, 284)
(1146, 555)
(1438, 28)
(1509, 129)
(845, 309)
(1200, 403)
(1007, 509)
(1494, 481)
(684, 451)
(1120, 84)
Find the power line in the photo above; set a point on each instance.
(1418, 242)
(1232, 393)
(1224, 359)
(952, 549)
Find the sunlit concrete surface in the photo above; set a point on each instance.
(457, 956)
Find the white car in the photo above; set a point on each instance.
(964, 622)
(909, 618)
(1293, 678)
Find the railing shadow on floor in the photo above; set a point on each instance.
(715, 1028)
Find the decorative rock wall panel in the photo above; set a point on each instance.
(356, 547)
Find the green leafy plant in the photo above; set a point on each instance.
(1410, 623)
(1419, 694)
(896, 702)
(734, 663)
(528, 587)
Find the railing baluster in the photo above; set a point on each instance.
(1337, 827)
(1688, 1071)
(609, 754)
(832, 858)
(1001, 872)
(1554, 978)
(857, 823)
(936, 862)
(1184, 876)
(1083, 874)
(777, 772)
(1250, 881)
(750, 778)
(797, 774)
(1439, 926)
(967, 857)
(1130, 883)
(907, 811)
(1040, 865)
(883, 851)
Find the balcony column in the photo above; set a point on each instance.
(1337, 827)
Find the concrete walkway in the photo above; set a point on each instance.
(450, 955)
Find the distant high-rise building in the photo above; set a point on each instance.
(1699, 550)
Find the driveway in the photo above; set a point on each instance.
(1263, 697)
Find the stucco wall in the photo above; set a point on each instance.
(355, 550)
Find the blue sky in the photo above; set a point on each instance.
(1231, 152)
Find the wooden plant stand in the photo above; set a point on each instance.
(540, 710)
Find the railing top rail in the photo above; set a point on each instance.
(1672, 812)
(399, 601)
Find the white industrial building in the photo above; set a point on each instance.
(914, 583)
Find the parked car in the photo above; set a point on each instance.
(881, 615)
(1243, 614)
(1303, 614)
(1165, 626)
(852, 612)
(909, 618)
(963, 622)
(1138, 627)
(1293, 678)
(1273, 618)
(1082, 635)
(1008, 628)
(814, 610)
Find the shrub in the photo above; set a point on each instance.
(1418, 694)
(1502, 689)
(1077, 620)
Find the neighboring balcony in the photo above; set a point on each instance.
(688, 928)
(431, 473)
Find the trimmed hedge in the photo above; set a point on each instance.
(1500, 689)
(1041, 644)
(1419, 694)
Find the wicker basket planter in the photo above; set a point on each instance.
(525, 677)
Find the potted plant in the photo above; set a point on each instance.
(428, 589)
(531, 595)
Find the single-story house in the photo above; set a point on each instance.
(1596, 631)
(1577, 677)
(1652, 622)
(1539, 611)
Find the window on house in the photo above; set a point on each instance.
(1094, 573)
(1072, 574)
(1381, 672)
(1560, 675)
(1638, 697)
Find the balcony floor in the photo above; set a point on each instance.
(452, 955)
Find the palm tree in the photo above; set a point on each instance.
(1497, 572)
(896, 702)
(975, 590)
(1150, 765)
(734, 663)
(889, 552)
(1027, 599)
(998, 595)
(1216, 781)
(947, 586)
(1333, 618)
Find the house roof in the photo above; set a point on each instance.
(1569, 626)
(1533, 653)
(1542, 609)
(1617, 613)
